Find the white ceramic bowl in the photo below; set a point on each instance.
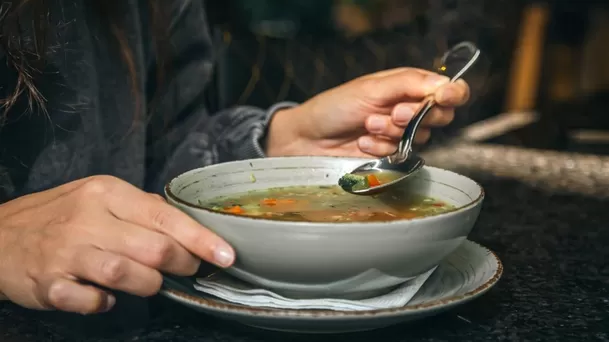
(346, 260)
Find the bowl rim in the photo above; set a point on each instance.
(169, 193)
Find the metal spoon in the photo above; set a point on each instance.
(403, 163)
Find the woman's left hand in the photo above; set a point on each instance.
(365, 117)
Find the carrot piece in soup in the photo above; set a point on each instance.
(286, 201)
(373, 181)
(234, 210)
(269, 201)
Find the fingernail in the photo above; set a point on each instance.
(433, 82)
(223, 255)
(403, 114)
(447, 94)
(110, 301)
(376, 124)
(365, 144)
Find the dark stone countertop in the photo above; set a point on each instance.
(546, 215)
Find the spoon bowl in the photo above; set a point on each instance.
(399, 172)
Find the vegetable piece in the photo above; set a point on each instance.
(274, 201)
(373, 181)
(235, 209)
(269, 201)
(350, 182)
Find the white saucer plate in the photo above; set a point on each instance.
(470, 271)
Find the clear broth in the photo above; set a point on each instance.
(326, 204)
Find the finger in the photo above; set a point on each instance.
(404, 86)
(130, 204)
(376, 146)
(114, 271)
(389, 72)
(453, 94)
(437, 117)
(422, 136)
(383, 125)
(68, 295)
(147, 247)
(403, 112)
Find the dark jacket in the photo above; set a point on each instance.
(93, 128)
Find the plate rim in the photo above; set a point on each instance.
(211, 304)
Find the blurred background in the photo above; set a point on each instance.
(543, 82)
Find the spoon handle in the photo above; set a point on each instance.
(405, 145)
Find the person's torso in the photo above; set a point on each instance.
(90, 125)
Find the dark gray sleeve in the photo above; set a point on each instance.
(190, 137)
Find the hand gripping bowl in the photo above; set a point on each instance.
(340, 260)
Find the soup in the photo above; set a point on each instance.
(326, 204)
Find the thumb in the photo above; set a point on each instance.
(407, 85)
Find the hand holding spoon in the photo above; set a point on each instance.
(378, 175)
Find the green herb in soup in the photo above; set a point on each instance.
(326, 204)
(352, 181)
(365, 180)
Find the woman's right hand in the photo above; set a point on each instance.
(58, 246)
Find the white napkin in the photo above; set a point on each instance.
(224, 286)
